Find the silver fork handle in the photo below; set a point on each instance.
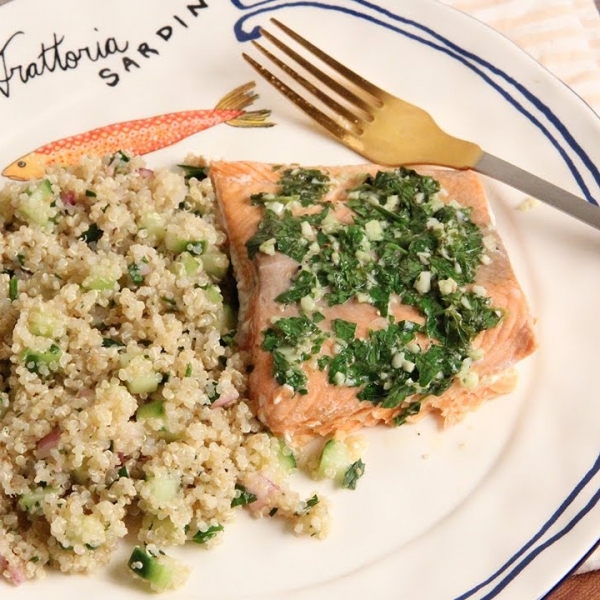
(538, 188)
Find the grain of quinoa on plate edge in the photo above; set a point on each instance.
(122, 394)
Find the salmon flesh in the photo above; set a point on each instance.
(384, 353)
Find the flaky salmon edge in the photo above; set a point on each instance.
(329, 410)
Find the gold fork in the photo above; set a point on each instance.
(389, 131)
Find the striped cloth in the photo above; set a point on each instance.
(563, 35)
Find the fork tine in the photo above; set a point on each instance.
(310, 109)
(331, 83)
(355, 78)
(307, 85)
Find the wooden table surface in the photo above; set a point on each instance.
(578, 587)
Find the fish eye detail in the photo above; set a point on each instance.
(22, 164)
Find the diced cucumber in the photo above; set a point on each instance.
(4, 404)
(161, 571)
(100, 281)
(215, 264)
(31, 502)
(154, 224)
(42, 362)
(144, 383)
(126, 357)
(335, 461)
(103, 276)
(175, 243)
(45, 323)
(36, 207)
(151, 410)
(228, 320)
(164, 488)
(286, 457)
(213, 294)
(139, 374)
(189, 263)
(156, 410)
(161, 528)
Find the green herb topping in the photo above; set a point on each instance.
(399, 242)
(305, 186)
(292, 341)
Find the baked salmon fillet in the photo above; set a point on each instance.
(368, 295)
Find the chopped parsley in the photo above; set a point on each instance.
(285, 233)
(92, 234)
(344, 330)
(170, 302)
(110, 343)
(190, 171)
(310, 503)
(119, 161)
(292, 341)
(242, 496)
(388, 372)
(201, 537)
(353, 474)
(13, 288)
(120, 155)
(399, 241)
(135, 274)
(305, 186)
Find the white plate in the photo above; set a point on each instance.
(503, 505)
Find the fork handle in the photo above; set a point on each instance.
(538, 188)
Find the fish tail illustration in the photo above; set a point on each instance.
(239, 99)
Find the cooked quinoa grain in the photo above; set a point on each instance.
(121, 394)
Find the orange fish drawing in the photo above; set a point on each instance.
(141, 136)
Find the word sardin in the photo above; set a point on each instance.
(145, 50)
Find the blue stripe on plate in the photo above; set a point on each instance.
(536, 111)
(530, 551)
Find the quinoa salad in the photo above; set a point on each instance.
(122, 391)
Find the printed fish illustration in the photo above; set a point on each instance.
(141, 136)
